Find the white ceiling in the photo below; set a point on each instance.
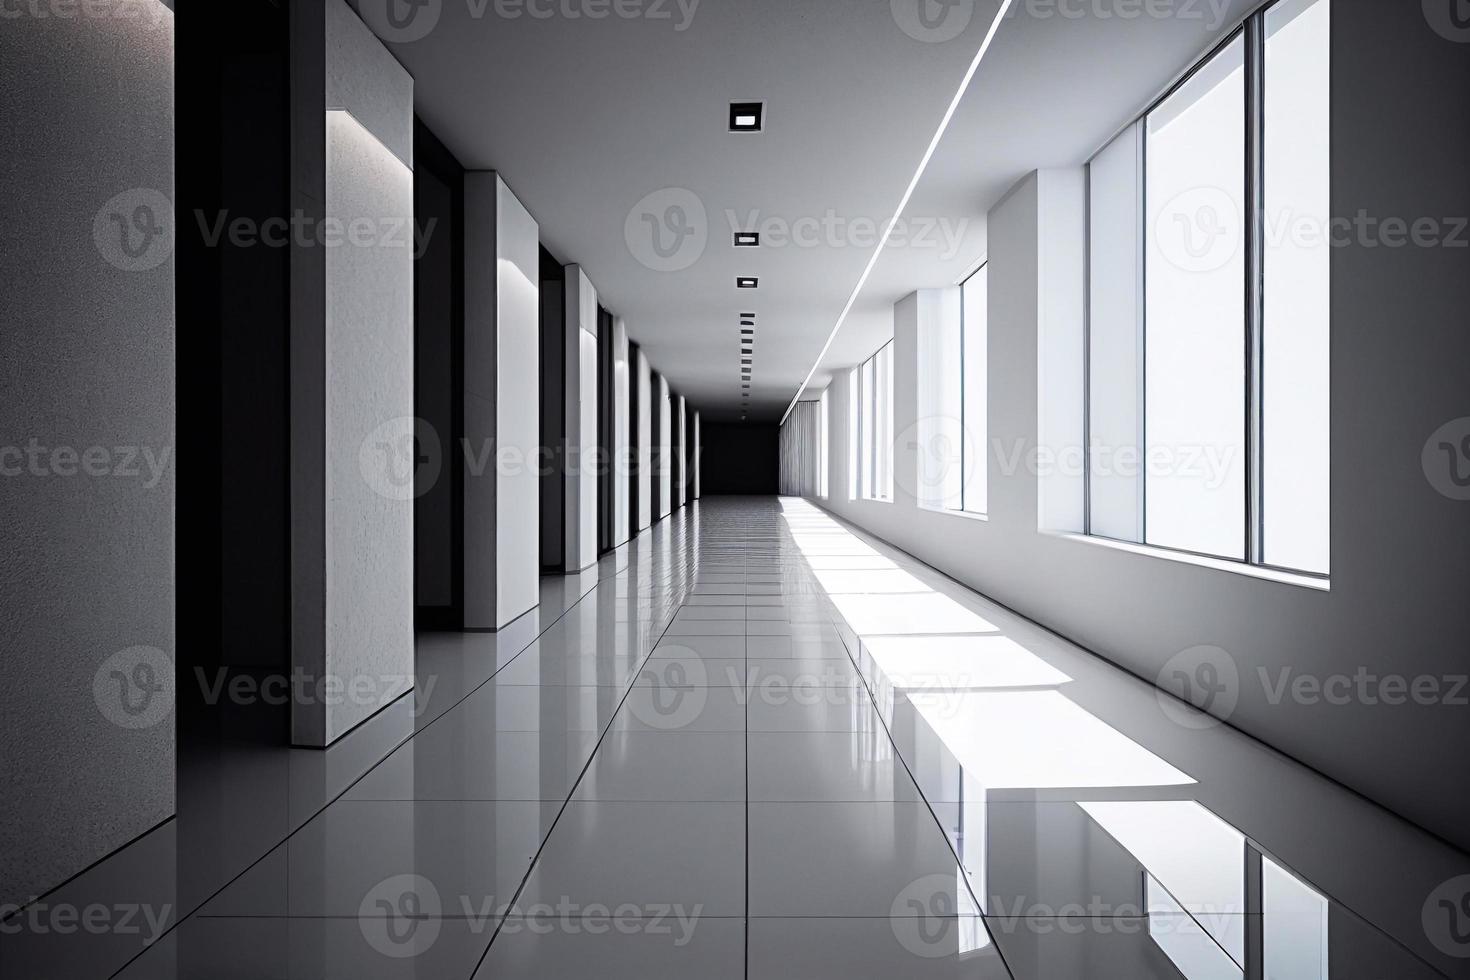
(586, 117)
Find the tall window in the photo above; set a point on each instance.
(951, 382)
(1208, 315)
(872, 427)
(823, 452)
(974, 389)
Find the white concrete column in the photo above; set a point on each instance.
(681, 457)
(663, 451)
(644, 422)
(581, 420)
(353, 454)
(620, 461)
(502, 379)
(696, 461)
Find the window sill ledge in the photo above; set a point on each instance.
(945, 511)
(1202, 561)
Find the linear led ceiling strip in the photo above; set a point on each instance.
(903, 204)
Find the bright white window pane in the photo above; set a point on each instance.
(854, 434)
(1195, 312)
(1295, 927)
(939, 450)
(865, 475)
(1115, 338)
(824, 460)
(1296, 258)
(976, 339)
(882, 424)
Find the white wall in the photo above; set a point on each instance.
(581, 415)
(620, 462)
(501, 404)
(644, 422)
(681, 466)
(1401, 550)
(352, 399)
(664, 453)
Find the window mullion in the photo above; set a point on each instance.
(1254, 283)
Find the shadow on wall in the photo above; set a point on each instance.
(739, 458)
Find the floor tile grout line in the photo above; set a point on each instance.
(746, 698)
(897, 754)
(546, 838)
(348, 788)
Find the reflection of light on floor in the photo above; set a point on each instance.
(950, 662)
(1192, 853)
(870, 580)
(1295, 925)
(929, 612)
(848, 562)
(1038, 740)
(1173, 930)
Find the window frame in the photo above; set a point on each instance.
(964, 508)
(872, 434)
(1252, 32)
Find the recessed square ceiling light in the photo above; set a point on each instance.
(747, 117)
(747, 350)
(747, 239)
(747, 282)
(747, 316)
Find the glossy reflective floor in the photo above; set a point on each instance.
(756, 743)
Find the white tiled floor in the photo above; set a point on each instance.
(720, 763)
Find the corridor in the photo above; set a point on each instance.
(746, 490)
(765, 745)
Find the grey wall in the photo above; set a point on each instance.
(1400, 548)
(86, 367)
(352, 391)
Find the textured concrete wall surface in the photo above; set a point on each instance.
(86, 441)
